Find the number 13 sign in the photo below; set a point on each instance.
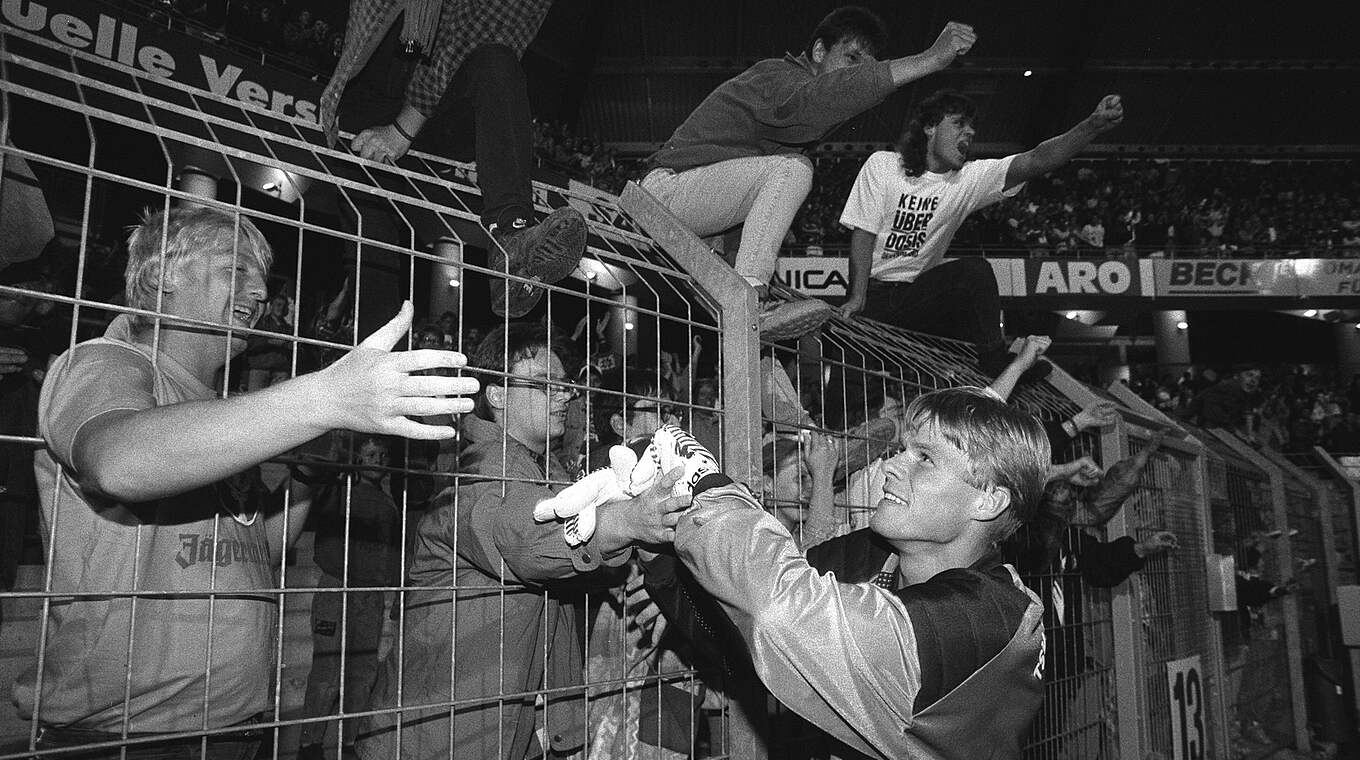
(1185, 687)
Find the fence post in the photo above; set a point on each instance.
(1128, 660)
(1218, 690)
(1214, 658)
(735, 305)
(1341, 474)
(1290, 604)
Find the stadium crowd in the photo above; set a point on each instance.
(1288, 407)
(1178, 207)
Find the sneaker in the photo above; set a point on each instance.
(670, 448)
(545, 252)
(785, 320)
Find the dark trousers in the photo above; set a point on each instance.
(484, 112)
(486, 105)
(957, 299)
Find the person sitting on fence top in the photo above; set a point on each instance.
(460, 62)
(482, 533)
(906, 205)
(738, 158)
(945, 642)
(150, 483)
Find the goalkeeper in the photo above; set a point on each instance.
(910, 638)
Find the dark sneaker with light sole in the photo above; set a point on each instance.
(793, 319)
(545, 252)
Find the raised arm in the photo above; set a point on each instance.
(955, 39)
(805, 111)
(821, 456)
(1056, 151)
(137, 456)
(1033, 347)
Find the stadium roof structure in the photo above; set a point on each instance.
(1198, 78)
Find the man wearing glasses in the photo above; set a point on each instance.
(480, 551)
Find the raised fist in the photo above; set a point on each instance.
(955, 39)
(1034, 346)
(1108, 114)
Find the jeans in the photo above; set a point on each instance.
(238, 746)
(763, 192)
(956, 299)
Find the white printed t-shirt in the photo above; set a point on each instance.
(183, 547)
(914, 218)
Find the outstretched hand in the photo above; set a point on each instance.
(375, 390)
(1082, 471)
(955, 39)
(1162, 540)
(1108, 114)
(1099, 414)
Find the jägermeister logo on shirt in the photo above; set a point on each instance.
(205, 547)
(910, 220)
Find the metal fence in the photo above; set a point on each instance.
(1262, 648)
(475, 654)
(403, 610)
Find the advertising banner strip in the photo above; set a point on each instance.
(117, 36)
(1148, 278)
(1067, 277)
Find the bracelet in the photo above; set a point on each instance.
(396, 124)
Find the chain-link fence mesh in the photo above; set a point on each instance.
(411, 608)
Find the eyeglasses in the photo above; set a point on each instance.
(663, 410)
(545, 386)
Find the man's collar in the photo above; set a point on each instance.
(801, 61)
(485, 431)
